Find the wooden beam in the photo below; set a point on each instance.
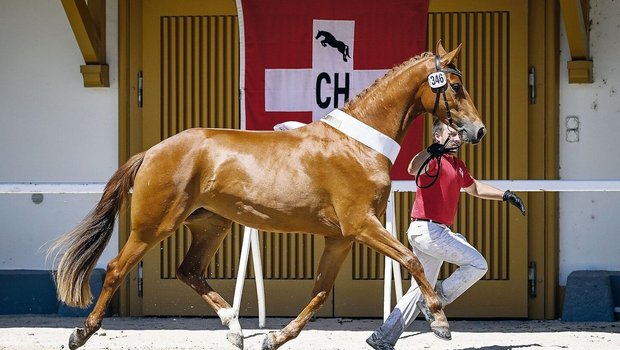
(97, 13)
(576, 29)
(579, 72)
(95, 75)
(88, 24)
(575, 14)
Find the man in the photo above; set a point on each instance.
(430, 235)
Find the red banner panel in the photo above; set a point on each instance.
(302, 59)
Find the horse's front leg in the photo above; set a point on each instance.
(336, 250)
(374, 235)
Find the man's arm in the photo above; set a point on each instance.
(435, 150)
(416, 162)
(482, 190)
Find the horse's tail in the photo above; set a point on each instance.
(346, 50)
(84, 244)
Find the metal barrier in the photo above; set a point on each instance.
(392, 270)
(52, 188)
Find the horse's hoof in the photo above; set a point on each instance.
(77, 339)
(269, 343)
(235, 339)
(441, 331)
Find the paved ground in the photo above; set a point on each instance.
(36, 332)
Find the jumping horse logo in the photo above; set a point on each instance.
(329, 39)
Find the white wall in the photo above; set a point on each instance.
(589, 234)
(52, 129)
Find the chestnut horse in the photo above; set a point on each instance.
(315, 179)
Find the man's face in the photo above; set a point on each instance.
(448, 132)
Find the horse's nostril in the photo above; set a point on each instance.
(481, 132)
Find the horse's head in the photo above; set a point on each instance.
(461, 113)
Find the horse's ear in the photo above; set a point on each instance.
(439, 50)
(450, 56)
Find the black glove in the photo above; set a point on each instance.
(513, 199)
(436, 150)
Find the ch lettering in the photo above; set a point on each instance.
(323, 82)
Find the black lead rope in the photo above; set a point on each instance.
(435, 176)
(424, 167)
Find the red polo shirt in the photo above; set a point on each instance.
(439, 202)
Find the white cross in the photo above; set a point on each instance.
(328, 82)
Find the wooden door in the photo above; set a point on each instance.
(191, 79)
(494, 64)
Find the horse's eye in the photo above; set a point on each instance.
(456, 87)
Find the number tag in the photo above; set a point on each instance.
(437, 80)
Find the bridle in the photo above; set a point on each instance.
(439, 84)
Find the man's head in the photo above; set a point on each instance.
(441, 132)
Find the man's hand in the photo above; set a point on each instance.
(436, 150)
(513, 199)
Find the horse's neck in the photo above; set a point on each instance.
(387, 106)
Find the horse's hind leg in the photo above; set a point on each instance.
(208, 232)
(117, 269)
(335, 252)
(154, 217)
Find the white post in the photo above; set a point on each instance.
(390, 225)
(387, 287)
(243, 266)
(258, 276)
(250, 236)
(391, 266)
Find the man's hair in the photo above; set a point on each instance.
(438, 126)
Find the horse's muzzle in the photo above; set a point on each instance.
(481, 132)
(474, 136)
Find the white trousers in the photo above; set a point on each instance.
(433, 244)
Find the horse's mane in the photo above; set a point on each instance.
(389, 75)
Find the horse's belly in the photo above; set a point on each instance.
(276, 213)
